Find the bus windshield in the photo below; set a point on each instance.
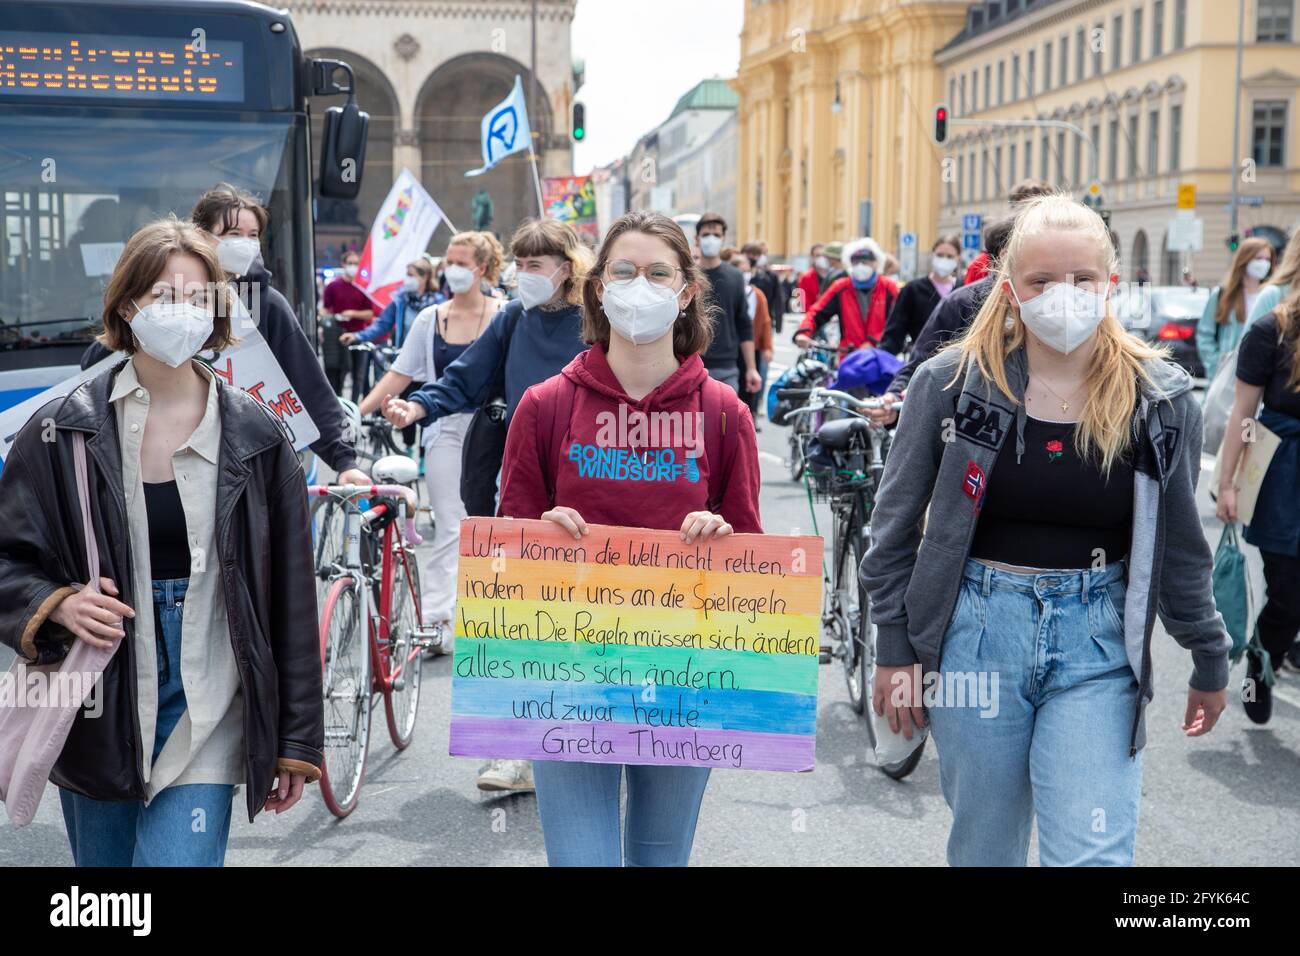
(77, 183)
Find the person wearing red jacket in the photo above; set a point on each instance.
(813, 282)
(646, 319)
(861, 300)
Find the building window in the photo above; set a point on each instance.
(1175, 137)
(974, 91)
(1137, 35)
(961, 178)
(1158, 28)
(1044, 149)
(1180, 24)
(1117, 42)
(1029, 157)
(1269, 132)
(1080, 41)
(1133, 146)
(988, 85)
(1015, 77)
(1011, 164)
(1112, 151)
(972, 175)
(1047, 66)
(1098, 45)
(1076, 169)
(984, 173)
(952, 94)
(1273, 21)
(1060, 157)
(1094, 159)
(1029, 72)
(1064, 72)
(1002, 82)
(997, 171)
(1153, 142)
(962, 111)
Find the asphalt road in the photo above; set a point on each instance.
(1231, 798)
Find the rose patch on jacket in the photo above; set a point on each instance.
(623, 464)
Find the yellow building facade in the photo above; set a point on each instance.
(805, 166)
(837, 101)
(1150, 84)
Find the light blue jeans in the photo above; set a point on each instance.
(1065, 700)
(579, 807)
(187, 825)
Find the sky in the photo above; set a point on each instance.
(641, 56)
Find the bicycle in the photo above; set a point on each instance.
(814, 368)
(845, 471)
(372, 632)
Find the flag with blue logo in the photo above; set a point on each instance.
(505, 129)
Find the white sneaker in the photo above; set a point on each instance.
(448, 634)
(514, 775)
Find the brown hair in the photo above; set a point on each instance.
(752, 250)
(138, 268)
(711, 219)
(949, 239)
(1231, 294)
(487, 252)
(223, 204)
(693, 330)
(550, 237)
(1028, 189)
(424, 267)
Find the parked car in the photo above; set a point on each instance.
(1165, 315)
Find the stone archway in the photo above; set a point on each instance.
(1140, 255)
(344, 223)
(449, 113)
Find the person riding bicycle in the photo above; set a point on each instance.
(862, 300)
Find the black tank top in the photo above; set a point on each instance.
(1053, 510)
(169, 547)
(444, 352)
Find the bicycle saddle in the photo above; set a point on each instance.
(395, 470)
(839, 433)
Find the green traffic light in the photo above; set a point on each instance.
(579, 133)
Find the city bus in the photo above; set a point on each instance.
(113, 114)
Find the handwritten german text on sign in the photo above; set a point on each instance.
(632, 646)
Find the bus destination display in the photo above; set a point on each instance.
(189, 69)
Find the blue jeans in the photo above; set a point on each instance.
(186, 825)
(1057, 747)
(579, 806)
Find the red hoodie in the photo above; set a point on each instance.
(632, 476)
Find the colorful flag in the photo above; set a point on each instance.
(402, 230)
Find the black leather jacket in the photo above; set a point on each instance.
(265, 558)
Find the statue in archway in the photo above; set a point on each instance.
(481, 209)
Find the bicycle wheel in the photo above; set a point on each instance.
(328, 524)
(405, 656)
(796, 461)
(345, 659)
(851, 550)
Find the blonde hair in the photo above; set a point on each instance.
(1232, 292)
(1118, 360)
(487, 252)
(1288, 270)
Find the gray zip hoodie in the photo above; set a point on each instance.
(913, 579)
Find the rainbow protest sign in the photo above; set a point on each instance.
(631, 646)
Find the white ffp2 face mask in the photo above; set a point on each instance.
(943, 266)
(710, 246)
(459, 279)
(536, 289)
(1063, 316)
(638, 311)
(1258, 268)
(171, 332)
(238, 253)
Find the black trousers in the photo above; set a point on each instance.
(360, 367)
(1279, 619)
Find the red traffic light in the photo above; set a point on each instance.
(940, 124)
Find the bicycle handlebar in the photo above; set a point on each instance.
(410, 502)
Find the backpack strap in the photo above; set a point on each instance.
(557, 399)
(720, 436)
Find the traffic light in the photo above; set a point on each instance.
(579, 125)
(1233, 242)
(941, 124)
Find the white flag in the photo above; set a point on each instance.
(402, 230)
(504, 129)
